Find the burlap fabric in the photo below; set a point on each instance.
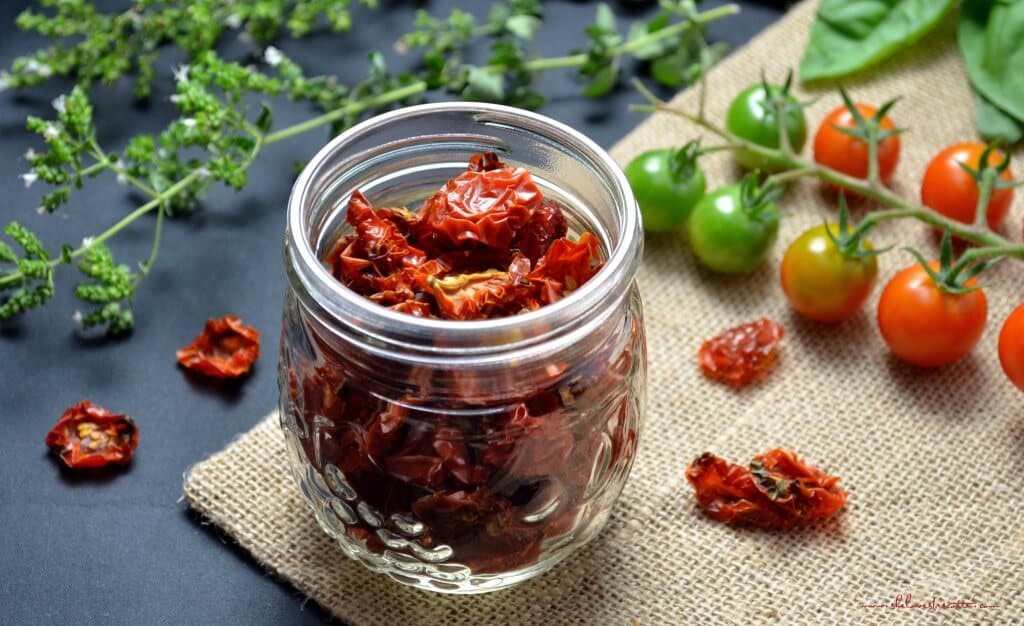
(934, 460)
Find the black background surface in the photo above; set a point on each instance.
(123, 549)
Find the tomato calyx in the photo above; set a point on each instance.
(955, 277)
(988, 177)
(779, 96)
(683, 160)
(756, 196)
(852, 243)
(868, 129)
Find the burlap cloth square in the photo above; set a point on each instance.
(934, 460)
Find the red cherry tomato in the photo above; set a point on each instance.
(951, 191)
(849, 155)
(926, 326)
(1011, 347)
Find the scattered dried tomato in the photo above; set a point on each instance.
(743, 354)
(778, 490)
(89, 436)
(488, 244)
(226, 348)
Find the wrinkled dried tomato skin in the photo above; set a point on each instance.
(778, 490)
(226, 348)
(742, 355)
(488, 244)
(88, 436)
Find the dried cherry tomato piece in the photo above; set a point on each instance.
(487, 207)
(90, 436)
(799, 487)
(565, 266)
(226, 348)
(743, 354)
(547, 224)
(484, 162)
(778, 490)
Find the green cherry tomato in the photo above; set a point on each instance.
(752, 116)
(665, 188)
(820, 281)
(729, 237)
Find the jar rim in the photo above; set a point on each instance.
(343, 302)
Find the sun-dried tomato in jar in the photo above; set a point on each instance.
(89, 436)
(488, 244)
(428, 452)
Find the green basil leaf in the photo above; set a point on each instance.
(991, 34)
(850, 35)
(994, 123)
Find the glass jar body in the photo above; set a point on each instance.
(461, 457)
(455, 480)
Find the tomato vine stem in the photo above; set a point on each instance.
(793, 166)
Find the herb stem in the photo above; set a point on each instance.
(157, 234)
(351, 108)
(103, 158)
(798, 167)
(629, 47)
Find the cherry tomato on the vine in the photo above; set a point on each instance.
(754, 117)
(835, 149)
(730, 236)
(953, 192)
(1011, 347)
(821, 282)
(926, 326)
(666, 189)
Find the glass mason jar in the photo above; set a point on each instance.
(461, 456)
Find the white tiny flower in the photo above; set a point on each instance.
(273, 56)
(29, 178)
(180, 73)
(51, 132)
(41, 210)
(160, 152)
(60, 103)
(120, 166)
(233, 21)
(35, 67)
(176, 98)
(203, 173)
(78, 318)
(87, 241)
(5, 80)
(30, 155)
(188, 122)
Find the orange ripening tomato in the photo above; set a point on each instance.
(822, 283)
(949, 190)
(926, 326)
(1011, 347)
(849, 155)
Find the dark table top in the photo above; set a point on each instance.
(122, 548)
